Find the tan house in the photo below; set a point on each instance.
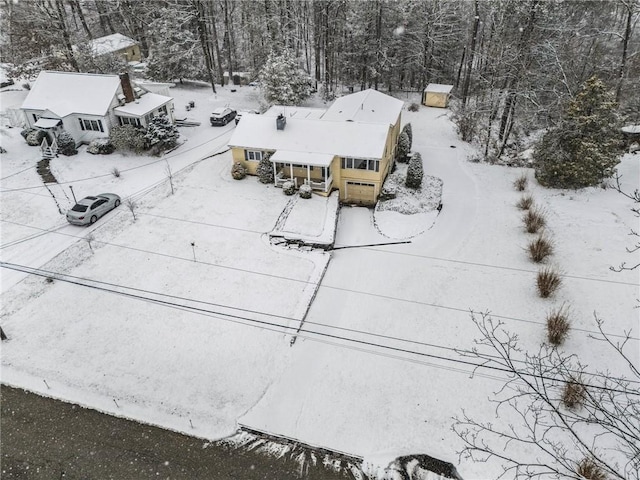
(88, 105)
(437, 95)
(349, 147)
(117, 44)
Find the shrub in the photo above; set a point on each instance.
(66, 144)
(413, 107)
(403, 148)
(558, 326)
(415, 171)
(238, 172)
(573, 393)
(305, 191)
(388, 192)
(288, 188)
(100, 146)
(34, 137)
(549, 280)
(115, 172)
(161, 133)
(265, 169)
(520, 183)
(25, 132)
(533, 220)
(540, 248)
(590, 470)
(525, 202)
(407, 129)
(128, 137)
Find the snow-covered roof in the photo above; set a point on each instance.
(65, 93)
(143, 105)
(303, 158)
(111, 43)
(295, 112)
(631, 129)
(438, 88)
(365, 106)
(346, 139)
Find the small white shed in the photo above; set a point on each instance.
(437, 95)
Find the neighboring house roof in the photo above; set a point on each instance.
(295, 112)
(365, 106)
(438, 88)
(65, 93)
(110, 44)
(346, 139)
(143, 105)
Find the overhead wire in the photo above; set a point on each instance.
(98, 285)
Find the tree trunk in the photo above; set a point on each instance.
(625, 47)
(472, 51)
(61, 13)
(77, 10)
(204, 41)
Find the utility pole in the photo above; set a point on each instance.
(74, 195)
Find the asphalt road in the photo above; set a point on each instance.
(46, 439)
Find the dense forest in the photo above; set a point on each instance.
(515, 64)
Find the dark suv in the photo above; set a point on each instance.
(221, 116)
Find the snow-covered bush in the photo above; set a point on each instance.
(305, 191)
(161, 133)
(66, 144)
(414, 107)
(34, 137)
(408, 130)
(128, 137)
(101, 146)
(403, 148)
(415, 171)
(238, 172)
(288, 188)
(388, 192)
(265, 169)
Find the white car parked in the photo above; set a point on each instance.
(88, 210)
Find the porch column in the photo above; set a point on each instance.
(326, 185)
(275, 173)
(308, 174)
(291, 171)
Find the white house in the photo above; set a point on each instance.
(89, 105)
(118, 44)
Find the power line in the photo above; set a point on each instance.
(83, 282)
(330, 287)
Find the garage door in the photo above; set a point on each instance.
(358, 192)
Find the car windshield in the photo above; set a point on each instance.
(79, 208)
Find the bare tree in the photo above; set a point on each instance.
(169, 173)
(635, 196)
(132, 206)
(570, 423)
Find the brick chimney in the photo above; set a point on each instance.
(127, 89)
(281, 121)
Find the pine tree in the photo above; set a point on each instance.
(407, 129)
(162, 132)
(584, 148)
(66, 143)
(415, 171)
(283, 82)
(403, 148)
(265, 169)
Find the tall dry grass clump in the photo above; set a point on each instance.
(590, 470)
(525, 202)
(540, 248)
(534, 220)
(520, 183)
(558, 326)
(548, 281)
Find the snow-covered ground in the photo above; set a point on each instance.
(190, 319)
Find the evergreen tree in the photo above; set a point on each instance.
(283, 82)
(162, 132)
(407, 129)
(415, 171)
(66, 143)
(265, 169)
(584, 148)
(403, 148)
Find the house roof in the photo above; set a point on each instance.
(303, 158)
(438, 88)
(365, 106)
(143, 105)
(346, 139)
(65, 93)
(295, 112)
(110, 43)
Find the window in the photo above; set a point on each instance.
(253, 155)
(93, 125)
(163, 110)
(361, 164)
(130, 121)
(35, 117)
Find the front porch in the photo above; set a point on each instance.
(303, 168)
